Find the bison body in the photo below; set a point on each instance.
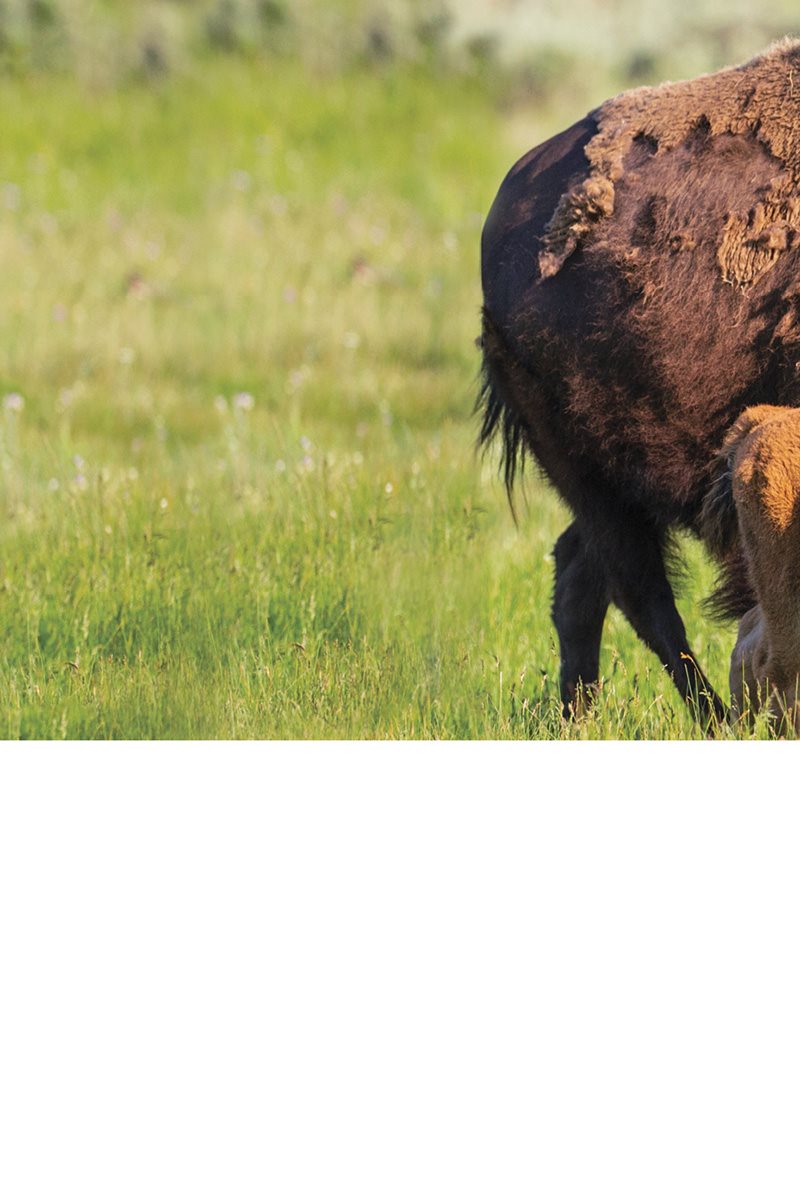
(641, 289)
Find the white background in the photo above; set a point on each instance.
(413, 971)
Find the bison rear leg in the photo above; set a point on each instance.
(634, 562)
(580, 603)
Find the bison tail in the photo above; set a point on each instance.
(719, 525)
(733, 592)
(499, 416)
(719, 528)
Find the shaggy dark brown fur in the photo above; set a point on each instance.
(752, 100)
(641, 278)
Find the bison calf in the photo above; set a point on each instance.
(756, 500)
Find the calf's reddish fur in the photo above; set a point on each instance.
(761, 459)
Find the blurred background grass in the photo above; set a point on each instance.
(535, 48)
(240, 287)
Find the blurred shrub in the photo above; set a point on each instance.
(482, 49)
(433, 32)
(541, 77)
(43, 13)
(247, 26)
(380, 46)
(643, 66)
(224, 26)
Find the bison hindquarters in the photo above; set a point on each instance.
(612, 552)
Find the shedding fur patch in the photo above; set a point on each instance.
(760, 98)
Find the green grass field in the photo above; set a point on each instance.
(239, 490)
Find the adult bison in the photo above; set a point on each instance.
(641, 289)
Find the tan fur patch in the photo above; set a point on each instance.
(761, 97)
(764, 450)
